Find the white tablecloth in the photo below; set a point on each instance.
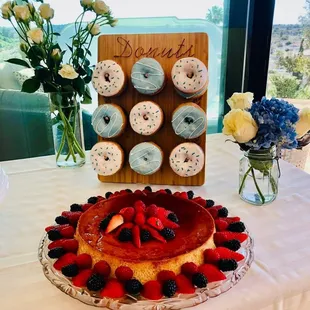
(278, 279)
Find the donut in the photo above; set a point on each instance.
(146, 158)
(190, 77)
(146, 118)
(107, 158)
(187, 159)
(147, 76)
(108, 121)
(108, 78)
(189, 121)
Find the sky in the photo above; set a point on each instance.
(286, 12)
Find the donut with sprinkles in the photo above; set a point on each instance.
(187, 159)
(108, 78)
(190, 77)
(107, 158)
(146, 118)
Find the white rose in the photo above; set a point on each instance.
(86, 3)
(100, 7)
(68, 72)
(22, 12)
(46, 11)
(56, 53)
(240, 100)
(114, 23)
(303, 124)
(6, 10)
(240, 124)
(36, 35)
(94, 29)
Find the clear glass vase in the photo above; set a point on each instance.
(258, 176)
(67, 129)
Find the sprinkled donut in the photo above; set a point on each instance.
(190, 77)
(146, 158)
(107, 158)
(108, 121)
(189, 121)
(147, 76)
(108, 78)
(146, 118)
(187, 159)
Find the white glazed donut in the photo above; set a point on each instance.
(107, 158)
(190, 77)
(146, 118)
(108, 78)
(187, 159)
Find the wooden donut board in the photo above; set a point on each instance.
(166, 49)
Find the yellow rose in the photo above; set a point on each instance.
(22, 12)
(94, 29)
(114, 23)
(56, 53)
(36, 35)
(68, 72)
(303, 124)
(240, 124)
(240, 100)
(46, 11)
(86, 3)
(100, 7)
(6, 10)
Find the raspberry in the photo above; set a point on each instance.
(102, 268)
(199, 280)
(152, 290)
(227, 264)
(139, 206)
(212, 273)
(169, 288)
(236, 227)
(76, 208)
(133, 286)
(70, 270)
(189, 269)
(113, 289)
(152, 210)
(92, 200)
(95, 282)
(123, 273)
(128, 214)
(84, 261)
(56, 252)
(81, 279)
(184, 285)
(165, 275)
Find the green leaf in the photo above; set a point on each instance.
(42, 73)
(80, 52)
(87, 62)
(87, 79)
(87, 96)
(79, 85)
(56, 34)
(87, 92)
(88, 52)
(19, 62)
(68, 88)
(81, 71)
(70, 48)
(76, 43)
(31, 85)
(49, 87)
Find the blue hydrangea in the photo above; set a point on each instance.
(276, 120)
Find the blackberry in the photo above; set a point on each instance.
(75, 208)
(190, 194)
(95, 282)
(199, 280)
(148, 188)
(128, 190)
(125, 235)
(209, 203)
(169, 288)
(145, 235)
(61, 220)
(167, 233)
(54, 234)
(133, 286)
(56, 252)
(227, 264)
(92, 200)
(222, 212)
(236, 227)
(168, 191)
(71, 270)
(173, 217)
(108, 194)
(233, 245)
(105, 222)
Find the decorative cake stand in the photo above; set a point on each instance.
(132, 303)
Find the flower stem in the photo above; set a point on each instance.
(243, 180)
(257, 187)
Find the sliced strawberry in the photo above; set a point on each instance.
(128, 214)
(69, 245)
(100, 198)
(67, 259)
(211, 256)
(113, 289)
(86, 206)
(81, 279)
(184, 285)
(136, 236)
(167, 223)
(139, 192)
(154, 233)
(140, 218)
(200, 201)
(177, 194)
(221, 225)
(152, 290)
(213, 213)
(67, 232)
(212, 273)
(225, 253)
(221, 237)
(84, 261)
(183, 195)
(156, 223)
(123, 192)
(48, 228)
(139, 206)
(230, 220)
(162, 212)
(115, 221)
(161, 191)
(152, 210)
(73, 217)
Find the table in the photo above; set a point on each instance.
(278, 279)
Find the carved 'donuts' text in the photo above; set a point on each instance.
(127, 50)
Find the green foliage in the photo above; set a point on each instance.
(283, 86)
(215, 15)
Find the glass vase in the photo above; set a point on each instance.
(258, 176)
(67, 129)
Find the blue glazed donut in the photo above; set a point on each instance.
(147, 76)
(189, 121)
(146, 158)
(108, 120)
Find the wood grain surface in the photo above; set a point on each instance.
(166, 49)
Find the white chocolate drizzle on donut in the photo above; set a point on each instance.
(106, 158)
(146, 117)
(187, 159)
